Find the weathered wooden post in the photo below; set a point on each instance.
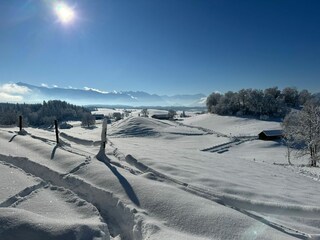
(20, 123)
(104, 133)
(101, 156)
(57, 131)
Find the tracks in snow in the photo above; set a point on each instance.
(121, 220)
(224, 147)
(41, 223)
(238, 204)
(22, 194)
(207, 130)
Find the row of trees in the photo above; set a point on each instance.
(42, 114)
(270, 102)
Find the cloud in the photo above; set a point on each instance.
(44, 85)
(55, 86)
(95, 90)
(12, 88)
(5, 97)
(11, 92)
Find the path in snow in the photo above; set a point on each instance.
(32, 208)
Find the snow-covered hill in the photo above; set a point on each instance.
(155, 180)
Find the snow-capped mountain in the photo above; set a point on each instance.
(95, 96)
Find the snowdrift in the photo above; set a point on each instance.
(152, 182)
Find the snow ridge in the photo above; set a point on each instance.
(121, 219)
(238, 204)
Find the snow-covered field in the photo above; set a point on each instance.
(190, 179)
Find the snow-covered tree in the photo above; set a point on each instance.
(171, 113)
(212, 100)
(302, 129)
(270, 102)
(256, 101)
(291, 96)
(88, 120)
(144, 112)
(304, 96)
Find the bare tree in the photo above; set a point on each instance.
(171, 113)
(88, 120)
(290, 145)
(302, 129)
(183, 114)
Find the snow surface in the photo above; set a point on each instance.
(234, 126)
(156, 180)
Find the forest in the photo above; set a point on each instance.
(41, 114)
(269, 103)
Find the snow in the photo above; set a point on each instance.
(142, 126)
(230, 125)
(107, 111)
(20, 224)
(32, 209)
(157, 179)
(18, 181)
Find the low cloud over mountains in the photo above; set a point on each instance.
(23, 92)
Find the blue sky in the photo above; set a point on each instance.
(162, 46)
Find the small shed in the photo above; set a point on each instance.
(270, 135)
(98, 116)
(161, 116)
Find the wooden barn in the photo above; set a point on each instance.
(161, 116)
(270, 135)
(98, 116)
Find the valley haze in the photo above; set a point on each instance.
(89, 96)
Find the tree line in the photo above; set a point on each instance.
(271, 102)
(42, 114)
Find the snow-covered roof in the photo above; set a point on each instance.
(272, 133)
(160, 115)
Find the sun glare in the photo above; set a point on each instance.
(64, 12)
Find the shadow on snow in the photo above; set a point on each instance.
(101, 156)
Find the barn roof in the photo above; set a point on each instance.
(160, 115)
(272, 133)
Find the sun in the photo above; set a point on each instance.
(65, 13)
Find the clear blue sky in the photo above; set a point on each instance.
(163, 46)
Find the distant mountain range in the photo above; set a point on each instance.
(91, 96)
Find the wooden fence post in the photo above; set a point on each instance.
(57, 131)
(104, 133)
(20, 123)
